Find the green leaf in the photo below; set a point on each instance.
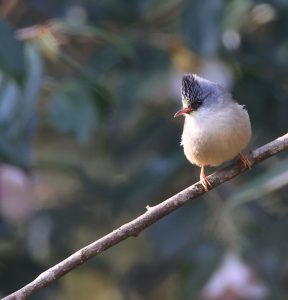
(12, 61)
(122, 44)
(17, 112)
(103, 98)
(71, 111)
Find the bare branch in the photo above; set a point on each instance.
(152, 215)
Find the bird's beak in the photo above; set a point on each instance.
(185, 110)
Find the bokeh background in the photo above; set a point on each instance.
(88, 90)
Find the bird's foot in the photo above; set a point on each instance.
(206, 184)
(203, 179)
(246, 162)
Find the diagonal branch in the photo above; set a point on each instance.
(152, 215)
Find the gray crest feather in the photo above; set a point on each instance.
(197, 91)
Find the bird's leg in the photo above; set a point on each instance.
(204, 180)
(246, 162)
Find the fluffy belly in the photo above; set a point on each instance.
(214, 151)
(216, 142)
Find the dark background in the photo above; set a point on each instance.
(88, 90)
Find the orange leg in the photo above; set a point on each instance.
(204, 179)
(246, 162)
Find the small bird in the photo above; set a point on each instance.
(216, 127)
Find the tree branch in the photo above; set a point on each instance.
(152, 215)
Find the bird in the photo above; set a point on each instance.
(216, 127)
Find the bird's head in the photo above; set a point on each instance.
(197, 92)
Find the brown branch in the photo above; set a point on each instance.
(152, 215)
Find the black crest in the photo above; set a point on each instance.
(192, 91)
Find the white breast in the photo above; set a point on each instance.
(214, 135)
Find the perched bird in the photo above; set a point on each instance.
(216, 127)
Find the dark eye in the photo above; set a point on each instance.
(196, 103)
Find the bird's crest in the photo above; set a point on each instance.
(192, 93)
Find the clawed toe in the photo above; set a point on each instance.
(246, 162)
(206, 184)
(203, 179)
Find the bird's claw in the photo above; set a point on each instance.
(206, 184)
(204, 181)
(246, 162)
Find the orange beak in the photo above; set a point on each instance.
(183, 111)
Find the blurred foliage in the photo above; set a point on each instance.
(12, 62)
(88, 90)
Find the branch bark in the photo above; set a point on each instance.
(152, 215)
